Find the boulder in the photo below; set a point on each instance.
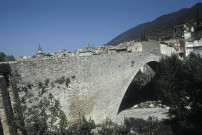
(151, 106)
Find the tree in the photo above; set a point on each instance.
(10, 58)
(179, 85)
(197, 18)
(5, 71)
(194, 69)
(2, 57)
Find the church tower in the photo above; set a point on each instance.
(89, 47)
(40, 53)
(39, 50)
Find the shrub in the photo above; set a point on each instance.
(40, 85)
(67, 82)
(50, 96)
(86, 126)
(108, 128)
(60, 80)
(73, 77)
(47, 82)
(29, 85)
(52, 84)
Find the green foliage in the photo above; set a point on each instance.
(149, 126)
(132, 63)
(19, 117)
(67, 82)
(37, 124)
(57, 104)
(50, 96)
(4, 57)
(10, 58)
(64, 80)
(86, 126)
(5, 71)
(63, 123)
(40, 85)
(60, 80)
(179, 84)
(29, 85)
(138, 126)
(73, 77)
(47, 82)
(111, 128)
(52, 84)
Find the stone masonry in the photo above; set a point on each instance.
(97, 83)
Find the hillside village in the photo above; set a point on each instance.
(186, 38)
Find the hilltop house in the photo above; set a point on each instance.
(194, 46)
(183, 31)
(135, 47)
(157, 47)
(59, 54)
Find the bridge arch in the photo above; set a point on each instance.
(113, 97)
(151, 61)
(136, 93)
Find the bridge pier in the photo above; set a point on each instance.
(6, 114)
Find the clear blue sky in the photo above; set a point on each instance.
(70, 24)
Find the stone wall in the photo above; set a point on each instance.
(97, 83)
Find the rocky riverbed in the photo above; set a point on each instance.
(144, 110)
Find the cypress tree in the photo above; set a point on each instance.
(197, 18)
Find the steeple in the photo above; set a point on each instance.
(39, 50)
(40, 53)
(88, 45)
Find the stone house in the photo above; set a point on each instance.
(167, 49)
(111, 50)
(183, 31)
(194, 46)
(180, 48)
(58, 54)
(135, 47)
(156, 47)
(19, 58)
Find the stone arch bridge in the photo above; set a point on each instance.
(97, 83)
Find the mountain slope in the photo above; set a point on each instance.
(161, 27)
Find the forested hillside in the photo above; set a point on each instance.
(161, 27)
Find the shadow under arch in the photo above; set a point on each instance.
(136, 93)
